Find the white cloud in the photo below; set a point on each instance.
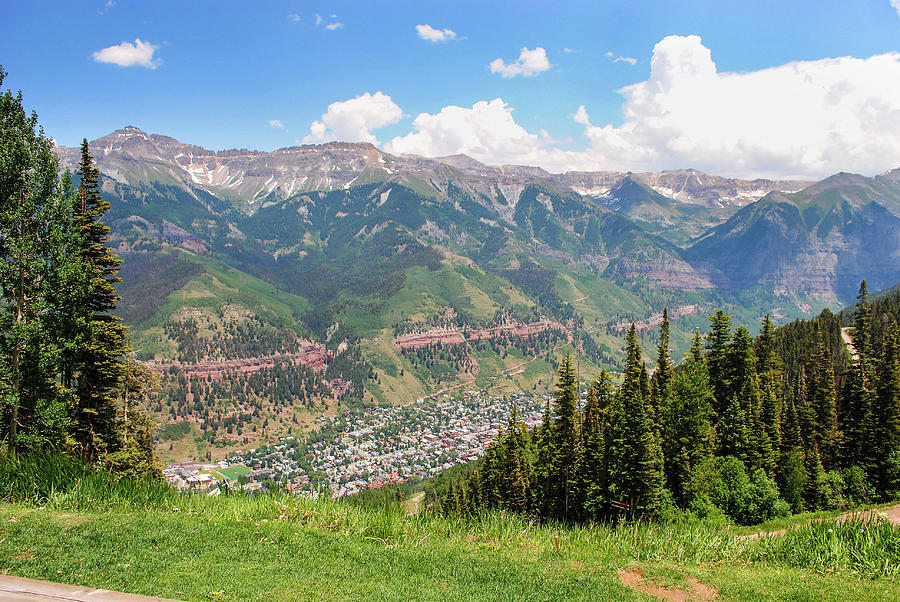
(293, 18)
(896, 5)
(486, 132)
(808, 118)
(129, 55)
(623, 59)
(530, 62)
(581, 116)
(353, 120)
(276, 123)
(427, 32)
(333, 25)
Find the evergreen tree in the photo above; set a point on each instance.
(689, 436)
(856, 400)
(662, 377)
(99, 365)
(565, 431)
(636, 463)
(822, 399)
(541, 492)
(815, 492)
(887, 405)
(592, 470)
(768, 369)
(862, 324)
(29, 199)
(717, 358)
(744, 386)
(516, 467)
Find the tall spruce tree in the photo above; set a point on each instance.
(542, 490)
(822, 399)
(636, 463)
(688, 436)
(744, 387)
(565, 431)
(768, 369)
(887, 405)
(717, 358)
(662, 377)
(592, 470)
(100, 362)
(516, 469)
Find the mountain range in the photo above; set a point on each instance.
(255, 256)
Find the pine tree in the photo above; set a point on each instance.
(717, 358)
(542, 491)
(99, 365)
(516, 468)
(768, 369)
(744, 386)
(592, 470)
(815, 492)
(822, 399)
(689, 436)
(856, 399)
(565, 431)
(636, 463)
(662, 377)
(887, 404)
(862, 324)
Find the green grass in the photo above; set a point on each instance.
(234, 472)
(143, 538)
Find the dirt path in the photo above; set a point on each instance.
(634, 578)
(891, 514)
(848, 340)
(413, 504)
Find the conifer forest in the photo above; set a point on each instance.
(744, 428)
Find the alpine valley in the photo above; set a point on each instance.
(269, 288)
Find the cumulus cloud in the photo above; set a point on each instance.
(353, 120)
(486, 131)
(126, 54)
(276, 123)
(333, 26)
(625, 59)
(896, 5)
(581, 116)
(429, 33)
(293, 18)
(530, 62)
(807, 118)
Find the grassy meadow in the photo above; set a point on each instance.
(66, 523)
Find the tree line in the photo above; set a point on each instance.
(66, 382)
(729, 432)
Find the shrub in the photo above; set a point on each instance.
(892, 474)
(857, 488)
(762, 500)
(793, 479)
(836, 486)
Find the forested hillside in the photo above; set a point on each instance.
(750, 428)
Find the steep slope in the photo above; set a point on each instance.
(821, 241)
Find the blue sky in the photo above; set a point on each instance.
(748, 89)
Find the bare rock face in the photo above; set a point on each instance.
(821, 241)
(130, 156)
